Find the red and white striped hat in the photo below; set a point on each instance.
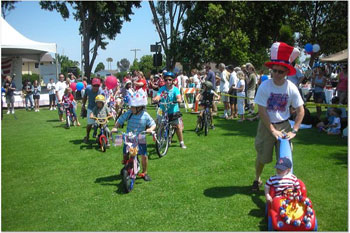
(283, 55)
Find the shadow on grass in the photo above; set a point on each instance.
(90, 145)
(113, 181)
(341, 158)
(53, 120)
(259, 212)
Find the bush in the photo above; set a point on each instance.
(30, 77)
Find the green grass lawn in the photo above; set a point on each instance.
(52, 181)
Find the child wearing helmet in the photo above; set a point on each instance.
(138, 121)
(206, 97)
(101, 110)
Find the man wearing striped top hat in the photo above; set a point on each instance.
(274, 97)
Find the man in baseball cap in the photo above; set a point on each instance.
(91, 92)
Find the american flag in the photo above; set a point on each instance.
(6, 67)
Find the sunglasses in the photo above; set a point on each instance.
(168, 80)
(96, 85)
(278, 71)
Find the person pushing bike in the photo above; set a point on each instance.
(174, 95)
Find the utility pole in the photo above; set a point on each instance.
(135, 50)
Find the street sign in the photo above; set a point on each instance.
(156, 48)
(157, 59)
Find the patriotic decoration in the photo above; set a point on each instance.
(6, 66)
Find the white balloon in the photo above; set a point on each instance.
(316, 48)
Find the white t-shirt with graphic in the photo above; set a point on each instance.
(277, 99)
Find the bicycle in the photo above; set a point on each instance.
(165, 131)
(205, 119)
(132, 165)
(102, 138)
(69, 115)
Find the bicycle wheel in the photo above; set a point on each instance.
(68, 121)
(128, 182)
(162, 142)
(206, 127)
(103, 143)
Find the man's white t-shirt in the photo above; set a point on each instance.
(60, 87)
(233, 79)
(196, 81)
(278, 99)
(184, 81)
(224, 84)
(179, 81)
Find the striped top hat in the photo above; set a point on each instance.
(283, 55)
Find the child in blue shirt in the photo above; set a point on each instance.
(138, 120)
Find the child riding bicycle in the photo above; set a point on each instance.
(101, 110)
(138, 121)
(206, 97)
(68, 98)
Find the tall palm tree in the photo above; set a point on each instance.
(109, 61)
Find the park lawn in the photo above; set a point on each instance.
(51, 181)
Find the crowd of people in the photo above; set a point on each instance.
(278, 97)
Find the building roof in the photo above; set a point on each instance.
(46, 58)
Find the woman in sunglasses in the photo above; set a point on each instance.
(274, 96)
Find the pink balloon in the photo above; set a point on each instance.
(73, 86)
(111, 82)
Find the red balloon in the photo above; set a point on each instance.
(111, 82)
(73, 86)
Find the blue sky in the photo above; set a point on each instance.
(48, 26)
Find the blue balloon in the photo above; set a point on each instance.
(80, 86)
(308, 47)
(264, 77)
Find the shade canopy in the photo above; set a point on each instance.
(341, 56)
(14, 43)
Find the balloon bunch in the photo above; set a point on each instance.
(309, 48)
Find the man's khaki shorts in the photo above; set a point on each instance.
(265, 142)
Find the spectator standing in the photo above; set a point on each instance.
(91, 92)
(184, 79)
(36, 95)
(28, 92)
(319, 82)
(211, 78)
(10, 87)
(232, 91)
(224, 87)
(251, 86)
(274, 97)
(342, 86)
(60, 87)
(239, 88)
(51, 88)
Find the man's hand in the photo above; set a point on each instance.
(277, 134)
(290, 135)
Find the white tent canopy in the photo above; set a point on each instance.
(15, 46)
(341, 56)
(14, 43)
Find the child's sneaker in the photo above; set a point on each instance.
(8, 112)
(145, 176)
(182, 145)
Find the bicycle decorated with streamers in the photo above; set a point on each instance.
(132, 165)
(102, 138)
(69, 114)
(165, 130)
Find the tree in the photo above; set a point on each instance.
(109, 61)
(100, 66)
(322, 22)
(66, 63)
(6, 7)
(167, 17)
(123, 64)
(98, 20)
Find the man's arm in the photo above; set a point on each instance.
(84, 100)
(298, 119)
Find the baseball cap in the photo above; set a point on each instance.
(283, 163)
(96, 81)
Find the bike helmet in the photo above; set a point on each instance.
(100, 98)
(128, 81)
(169, 74)
(137, 98)
(208, 84)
